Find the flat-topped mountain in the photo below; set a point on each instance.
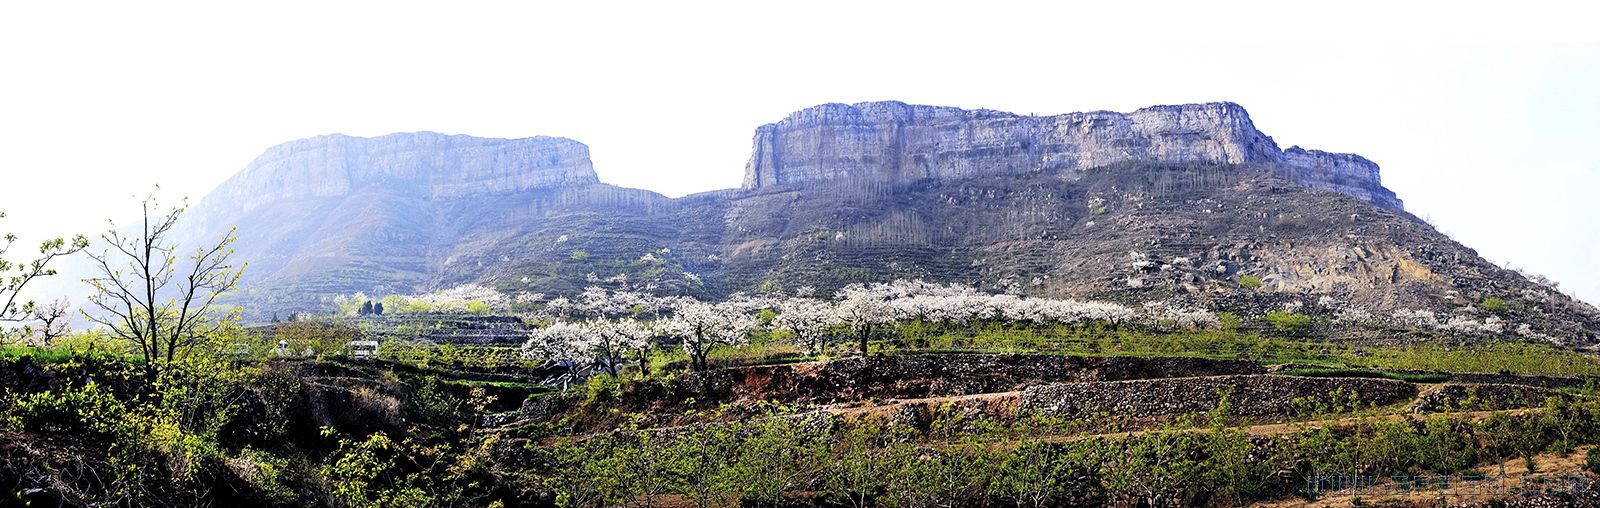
(424, 164)
(893, 141)
(1168, 203)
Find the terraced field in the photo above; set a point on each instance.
(941, 401)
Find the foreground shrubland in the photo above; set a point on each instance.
(83, 427)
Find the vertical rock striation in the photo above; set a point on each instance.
(425, 164)
(893, 141)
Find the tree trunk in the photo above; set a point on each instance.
(866, 331)
(697, 358)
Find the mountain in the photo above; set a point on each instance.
(1167, 203)
(893, 141)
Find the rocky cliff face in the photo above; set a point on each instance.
(897, 142)
(426, 164)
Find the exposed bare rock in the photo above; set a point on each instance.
(893, 141)
(426, 163)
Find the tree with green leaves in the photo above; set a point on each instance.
(16, 275)
(150, 295)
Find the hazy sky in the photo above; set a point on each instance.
(1485, 121)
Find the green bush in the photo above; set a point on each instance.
(1592, 460)
(1289, 322)
(601, 389)
(1228, 321)
(83, 410)
(362, 473)
(85, 348)
(1250, 281)
(1493, 304)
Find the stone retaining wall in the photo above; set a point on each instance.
(1484, 397)
(1485, 378)
(1251, 395)
(938, 375)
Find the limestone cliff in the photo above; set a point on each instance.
(428, 164)
(893, 141)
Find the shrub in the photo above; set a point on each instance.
(85, 410)
(364, 473)
(91, 347)
(601, 389)
(1592, 462)
(1228, 321)
(1493, 304)
(323, 338)
(1289, 322)
(1250, 281)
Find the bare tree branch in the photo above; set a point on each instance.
(144, 297)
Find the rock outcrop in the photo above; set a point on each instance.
(426, 164)
(893, 141)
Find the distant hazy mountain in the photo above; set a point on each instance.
(1167, 202)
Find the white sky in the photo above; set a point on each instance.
(1484, 120)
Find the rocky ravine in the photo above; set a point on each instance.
(1165, 203)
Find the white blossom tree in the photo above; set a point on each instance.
(703, 326)
(596, 301)
(862, 308)
(640, 336)
(611, 340)
(54, 320)
(560, 307)
(808, 319)
(563, 343)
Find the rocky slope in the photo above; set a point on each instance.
(1169, 203)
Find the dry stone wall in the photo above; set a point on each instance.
(1484, 397)
(937, 375)
(1249, 395)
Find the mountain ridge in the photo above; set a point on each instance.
(894, 140)
(834, 196)
(333, 165)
